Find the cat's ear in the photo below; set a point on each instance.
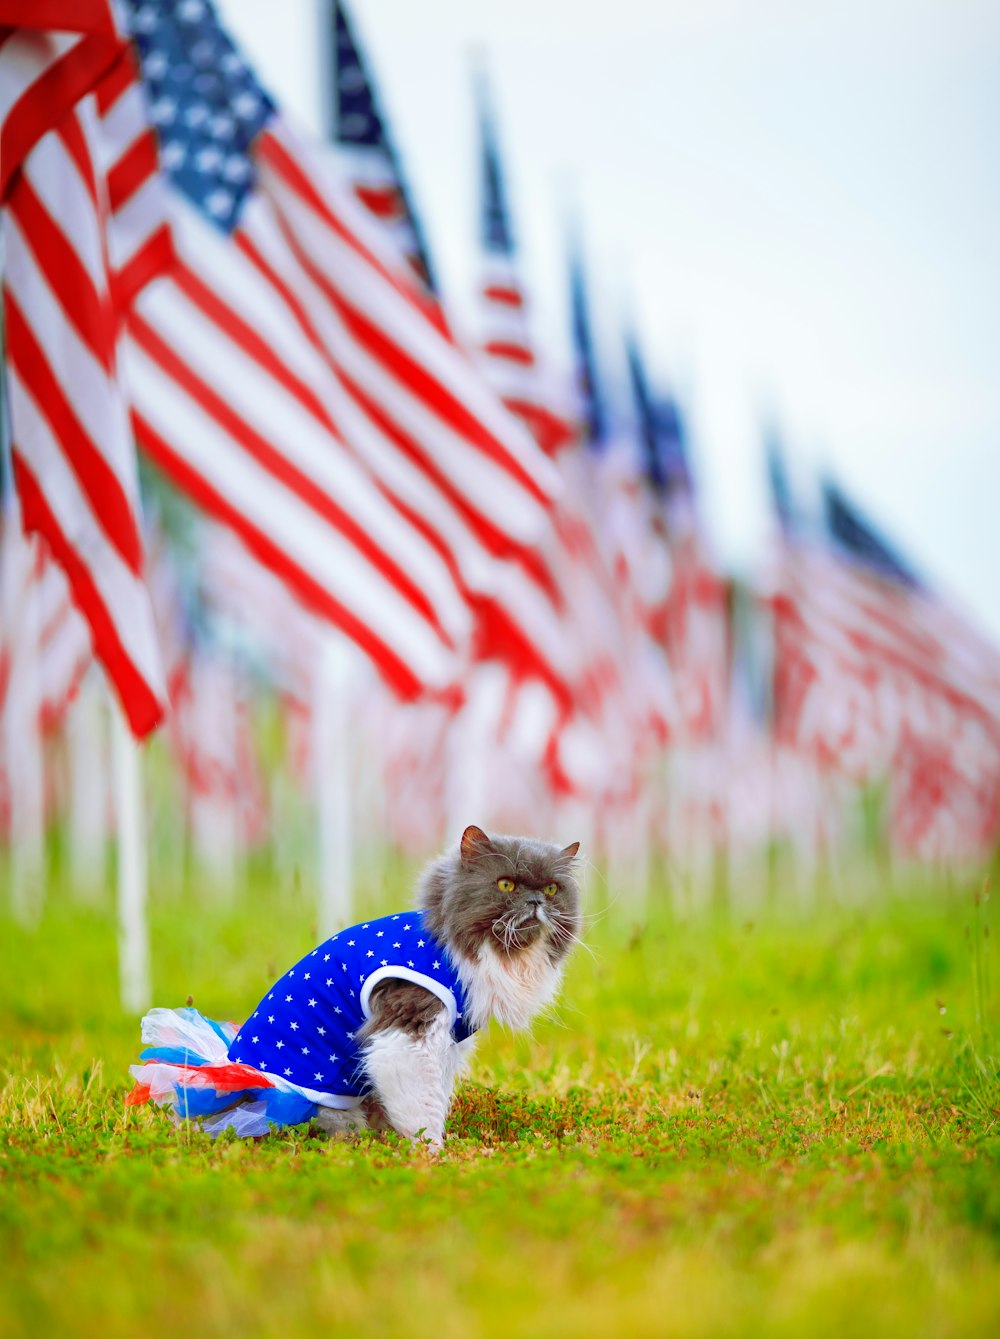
(569, 852)
(475, 843)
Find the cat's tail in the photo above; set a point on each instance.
(185, 1066)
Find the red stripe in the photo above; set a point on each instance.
(52, 95)
(142, 707)
(506, 295)
(70, 16)
(550, 431)
(65, 273)
(155, 257)
(118, 80)
(313, 595)
(382, 201)
(111, 507)
(132, 170)
(277, 464)
(510, 352)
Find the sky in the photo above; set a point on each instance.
(797, 206)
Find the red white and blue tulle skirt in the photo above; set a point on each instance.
(186, 1067)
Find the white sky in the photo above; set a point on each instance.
(799, 202)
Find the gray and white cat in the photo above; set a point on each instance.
(507, 909)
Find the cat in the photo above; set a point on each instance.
(507, 910)
(372, 1027)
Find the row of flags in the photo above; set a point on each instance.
(522, 564)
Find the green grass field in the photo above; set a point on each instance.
(788, 1127)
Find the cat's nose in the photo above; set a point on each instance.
(534, 899)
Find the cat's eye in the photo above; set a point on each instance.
(505, 885)
(550, 889)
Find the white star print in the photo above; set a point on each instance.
(379, 934)
(312, 1004)
(395, 918)
(279, 1044)
(397, 944)
(288, 999)
(307, 976)
(294, 1027)
(288, 1071)
(370, 954)
(435, 963)
(321, 1031)
(420, 943)
(333, 1059)
(365, 926)
(270, 1018)
(305, 1050)
(350, 943)
(326, 957)
(317, 1075)
(263, 1064)
(329, 980)
(385, 962)
(254, 1039)
(406, 927)
(336, 1010)
(351, 1035)
(410, 963)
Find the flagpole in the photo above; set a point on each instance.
(20, 740)
(87, 737)
(333, 752)
(130, 816)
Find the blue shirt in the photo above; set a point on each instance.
(304, 1029)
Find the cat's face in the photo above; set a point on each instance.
(508, 892)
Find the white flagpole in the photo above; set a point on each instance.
(133, 931)
(333, 752)
(21, 733)
(88, 793)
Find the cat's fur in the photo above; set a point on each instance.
(509, 949)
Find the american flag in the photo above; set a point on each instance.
(573, 584)
(876, 675)
(509, 356)
(692, 621)
(71, 445)
(360, 133)
(368, 445)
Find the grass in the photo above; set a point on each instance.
(789, 1127)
